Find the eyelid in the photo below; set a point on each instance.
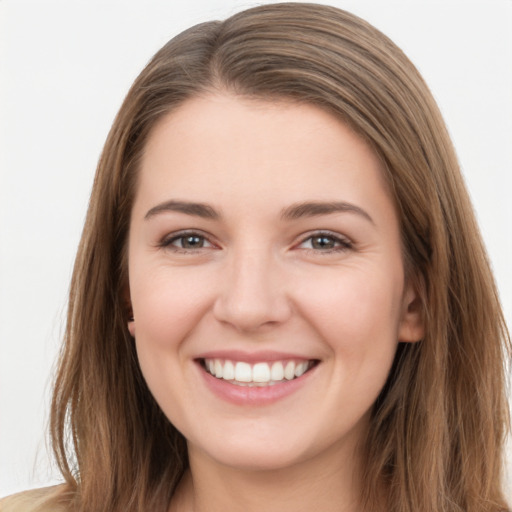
(344, 243)
(166, 242)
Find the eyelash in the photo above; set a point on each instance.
(167, 243)
(340, 243)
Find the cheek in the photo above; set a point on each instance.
(357, 299)
(167, 306)
(357, 319)
(357, 311)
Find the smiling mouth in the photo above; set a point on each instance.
(260, 374)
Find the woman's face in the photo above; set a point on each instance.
(266, 280)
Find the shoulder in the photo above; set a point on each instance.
(47, 499)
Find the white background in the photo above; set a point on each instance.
(64, 69)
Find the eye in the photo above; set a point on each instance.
(188, 241)
(325, 242)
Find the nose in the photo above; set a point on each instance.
(253, 293)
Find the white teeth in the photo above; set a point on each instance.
(289, 371)
(243, 372)
(218, 369)
(277, 372)
(229, 371)
(300, 369)
(259, 374)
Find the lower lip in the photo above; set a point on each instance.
(255, 395)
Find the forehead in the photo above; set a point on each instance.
(219, 145)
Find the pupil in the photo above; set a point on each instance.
(323, 242)
(192, 241)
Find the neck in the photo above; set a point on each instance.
(327, 483)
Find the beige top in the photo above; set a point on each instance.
(36, 500)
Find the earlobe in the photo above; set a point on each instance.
(128, 310)
(131, 327)
(412, 324)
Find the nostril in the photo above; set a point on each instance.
(251, 312)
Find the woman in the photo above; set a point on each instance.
(281, 298)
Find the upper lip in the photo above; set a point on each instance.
(252, 357)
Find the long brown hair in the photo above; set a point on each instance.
(437, 431)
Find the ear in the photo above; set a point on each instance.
(412, 324)
(128, 310)
(131, 327)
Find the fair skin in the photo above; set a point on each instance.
(263, 241)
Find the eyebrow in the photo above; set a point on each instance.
(202, 210)
(293, 212)
(317, 208)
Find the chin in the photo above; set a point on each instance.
(256, 458)
(271, 447)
